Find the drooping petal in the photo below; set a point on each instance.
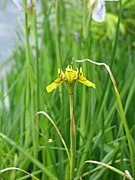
(86, 82)
(54, 85)
(99, 12)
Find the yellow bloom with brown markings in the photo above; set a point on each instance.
(70, 77)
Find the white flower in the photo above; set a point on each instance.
(18, 3)
(99, 12)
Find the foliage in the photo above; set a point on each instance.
(56, 34)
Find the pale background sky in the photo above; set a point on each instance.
(8, 25)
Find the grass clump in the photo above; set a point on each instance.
(54, 34)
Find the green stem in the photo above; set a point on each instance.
(28, 89)
(19, 169)
(121, 111)
(126, 130)
(72, 139)
(83, 116)
(125, 175)
(37, 55)
(114, 46)
(57, 30)
(87, 46)
(35, 136)
(86, 20)
(27, 36)
(28, 155)
(57, 41)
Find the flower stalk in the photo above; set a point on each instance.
(72, 139)
(70, 76)
(28, 81)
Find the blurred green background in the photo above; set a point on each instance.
(47, 39)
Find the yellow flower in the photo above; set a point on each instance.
(70, 77)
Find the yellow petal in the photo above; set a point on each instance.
(54, 85)
(86, 82)
(70, 75)
(59, 71)
(81, 72)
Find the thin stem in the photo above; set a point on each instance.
(56, 128)
(35, 136)
(57, 41)
(28, 89)
(71, 105)
(19, 169)
(72, 139)
(27, 36)
(29, 156)
(37, 54)
(126, 174)
(57, 30)
(83, 115)
(126, 130)
(87, 44)
(114, 46)
(125, 124)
